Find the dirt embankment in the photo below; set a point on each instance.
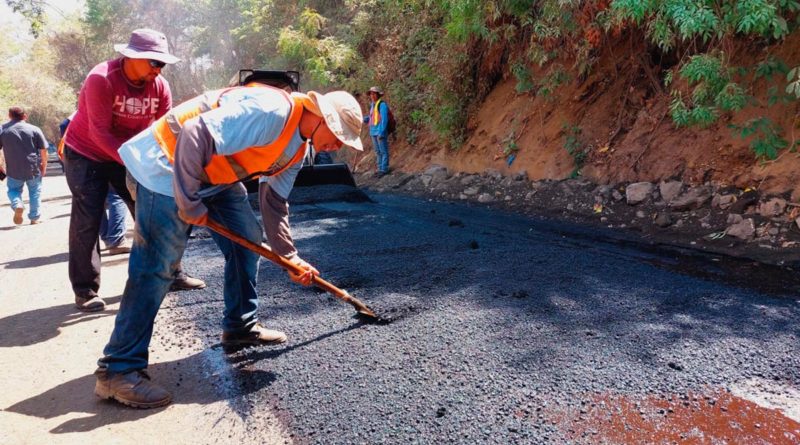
(618, 115)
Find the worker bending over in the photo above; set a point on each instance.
(188, 166)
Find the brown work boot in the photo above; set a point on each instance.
(89, 303)
(124, 246)
(18, 215)
(233, 341)
(132, 388)
(185, 282)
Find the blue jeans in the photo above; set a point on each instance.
(160, 238)
(381, 144)
(112, 225)
(34, 194)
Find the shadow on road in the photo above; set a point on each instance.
(28, 263)
(50, 199)
(253, 357)
(56, 258)
(36, 326)
(77, 395)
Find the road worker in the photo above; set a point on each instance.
(188, 166)
(118, 99)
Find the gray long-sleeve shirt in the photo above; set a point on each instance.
(246, 117)
(194, 149)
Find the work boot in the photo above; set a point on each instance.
(131, 388)
(124, 246)
(183, 281)
(89, 303)
(18, 215)
(233, 341)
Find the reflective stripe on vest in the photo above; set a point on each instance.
(167, 128)
(250, 162)
(376, 113)
(61, 144)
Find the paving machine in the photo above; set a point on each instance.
(318, 169)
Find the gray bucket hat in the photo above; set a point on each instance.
(376, 90)
(147, 44)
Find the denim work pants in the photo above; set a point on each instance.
(381, 144)
(159, 241)
(89, 182)
(112, 225)
(34, 194)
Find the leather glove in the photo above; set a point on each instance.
(305, 277)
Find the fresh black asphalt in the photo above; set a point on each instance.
(502, 321)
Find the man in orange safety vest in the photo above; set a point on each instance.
(189, 166)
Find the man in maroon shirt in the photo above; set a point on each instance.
(118, 99)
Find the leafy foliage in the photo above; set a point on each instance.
(509, 145)
(550, 82)
(673, 21)
(706, 86)
(33, 11)
(46, 99)
(467, 18)
(523, 75)
(575, 147)
(794, 82)
(325, 60)
(766, 137)
(712, 91)
(436, 80)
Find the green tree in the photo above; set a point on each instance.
(33, 11)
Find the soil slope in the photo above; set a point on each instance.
(620, 117)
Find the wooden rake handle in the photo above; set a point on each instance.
(281, 261)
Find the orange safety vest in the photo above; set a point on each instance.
(248, 163)
(376, 113)
(61, 143)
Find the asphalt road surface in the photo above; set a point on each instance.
(508, 330)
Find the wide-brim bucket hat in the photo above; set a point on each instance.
(147, 44)
(342, 115)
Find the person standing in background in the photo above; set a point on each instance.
(26, 162)
(113, 227)
(378, 119)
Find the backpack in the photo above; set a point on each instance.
(391, 127)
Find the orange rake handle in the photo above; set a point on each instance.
(281, 261)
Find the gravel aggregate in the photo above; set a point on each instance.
(500, 324)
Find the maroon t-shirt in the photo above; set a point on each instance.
(111, 110)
